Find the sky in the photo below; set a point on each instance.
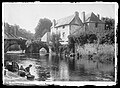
(27, 15)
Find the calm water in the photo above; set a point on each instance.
(57, 68)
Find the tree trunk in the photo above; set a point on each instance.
(98, 42)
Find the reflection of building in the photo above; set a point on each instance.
(67, 26)
(54, 64)
(72, 64)
(64, 71)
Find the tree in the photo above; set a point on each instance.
(42, 27)
(35, 46)
(109, 23)
(11, 29)
(55, 42)
(110, 28)
(6, 27)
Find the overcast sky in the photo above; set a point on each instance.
(27, 15)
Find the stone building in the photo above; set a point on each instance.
(66, 26)
(92, 26)
(92, 22)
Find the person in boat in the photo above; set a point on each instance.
(27, 69)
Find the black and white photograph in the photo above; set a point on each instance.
(59, 43)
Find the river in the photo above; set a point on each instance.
(59, 68)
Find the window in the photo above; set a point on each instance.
(87, 24)
(96, 24)
(106, 26)
(63, 26)
(63, 34)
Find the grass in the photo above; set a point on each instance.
(104, 58)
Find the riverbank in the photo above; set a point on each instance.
(20, 51)
(76, 69)
(11, 78)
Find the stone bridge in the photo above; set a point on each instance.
(33, 47)
(10, 42)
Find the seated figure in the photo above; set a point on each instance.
(14, 67)
(27, 69)
(22, 68)
(22, 72)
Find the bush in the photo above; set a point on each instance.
(14, 47)
(104, 58)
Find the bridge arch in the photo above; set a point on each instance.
(9, 42)
(34, 47)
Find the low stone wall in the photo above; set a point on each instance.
(92, 48)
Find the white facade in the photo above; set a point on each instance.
(53, 30)
(66, 26)
(64, 32)
(46, 37)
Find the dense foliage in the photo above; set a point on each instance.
(97, 36)
(110, 29)
(19, 31)
(91, 36)
(35, 46)
(42, 27)
(109, 23)
(55, 42)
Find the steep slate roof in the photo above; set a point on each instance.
(14, 36)
(91, 17)
(5, 36)
(9, 36)
(64, 21)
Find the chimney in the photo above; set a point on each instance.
(54, 22)
(76, 13)
(98, 16)
(83, 17)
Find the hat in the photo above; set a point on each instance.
(30, 65)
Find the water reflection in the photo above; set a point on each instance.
(63, 69)
(56, 68)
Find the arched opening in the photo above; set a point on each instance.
(34, 47)
(14, 43)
